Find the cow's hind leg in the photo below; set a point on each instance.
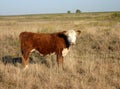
(25, 59)
(24, 63)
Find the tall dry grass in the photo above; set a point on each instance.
(93, 63)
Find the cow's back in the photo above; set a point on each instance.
(43, 42)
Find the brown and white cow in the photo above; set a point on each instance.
(47, 43)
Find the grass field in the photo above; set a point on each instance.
(93, 63)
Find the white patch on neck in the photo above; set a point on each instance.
(65, 51)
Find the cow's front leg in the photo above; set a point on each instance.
(60, 61)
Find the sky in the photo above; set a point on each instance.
(21, 7)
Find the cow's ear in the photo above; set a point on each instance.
(64, 32)
(78, 32)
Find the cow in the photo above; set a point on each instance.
(47, 43)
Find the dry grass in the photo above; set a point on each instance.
(93, 63)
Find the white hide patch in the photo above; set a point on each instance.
(32, 50)
(71, 34)
(65, 51)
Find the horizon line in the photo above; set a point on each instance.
(58, 13)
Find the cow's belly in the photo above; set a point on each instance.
(42, 53)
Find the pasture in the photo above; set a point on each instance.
(93, 63)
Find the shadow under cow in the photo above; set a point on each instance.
(8, 59)
(13, 60)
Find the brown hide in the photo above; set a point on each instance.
(44, 43)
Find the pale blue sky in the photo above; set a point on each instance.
(14, 7)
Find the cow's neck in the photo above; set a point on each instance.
(65, 39)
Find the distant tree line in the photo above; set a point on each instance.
(77, 11)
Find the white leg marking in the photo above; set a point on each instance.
(26, 67)
(65, 51)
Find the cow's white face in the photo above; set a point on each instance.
(71, 34)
